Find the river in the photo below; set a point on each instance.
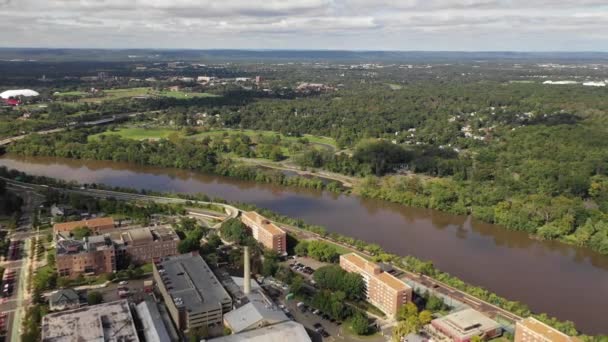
(564, 281)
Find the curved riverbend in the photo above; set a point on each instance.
(561, 280)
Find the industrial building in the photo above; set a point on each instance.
(258, 312)
(152, 325)
(266, 232)
(98, 225)
(461, 326)
(282, 332)
(383, 290)
(192, 293)
(104, 322)
(532, 330)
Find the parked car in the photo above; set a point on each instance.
(123, 283)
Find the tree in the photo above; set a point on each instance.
(187, 224)
(476, 338)
(234, 230)
(425, 317)
(404, 328)
(197, 334)
(334, 278)
(322, 251)
(359, 324)
(80, 232)
(296, 285)
(434, 303)
(94, 298)
(270, 265)
(301, 248)
(407, 311)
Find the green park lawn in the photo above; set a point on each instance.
(138, 133)
(183, 94)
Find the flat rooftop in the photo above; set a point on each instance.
(286, 331)
(466, 323)
(359, 261)
(191, 283)
(545, 330)
(366, 265)
(392, 281)
(259, 309)
(264, 223)
(92, 223)
(104, 322)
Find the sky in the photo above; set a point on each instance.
(432, 25)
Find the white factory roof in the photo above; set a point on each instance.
(104, 322)
(19, 92)
(286, 331)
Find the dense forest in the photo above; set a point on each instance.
(527, 156)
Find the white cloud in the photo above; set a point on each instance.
(352, 24)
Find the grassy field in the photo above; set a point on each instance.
(253, 133)
(72, 93)
(138, 133)
(159, 133)
(183, 95)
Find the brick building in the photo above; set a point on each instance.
(383, 290)
(97, 226)
(99, 254)
(532, 330)
(143, 245)
(91, 255)
(266, 232)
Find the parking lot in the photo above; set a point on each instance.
(135, 289)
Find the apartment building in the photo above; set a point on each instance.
(142, 245)
(383, 290)
(91, 255)
(97, 226)
(192, 293)
(532, 330)
(266, 232)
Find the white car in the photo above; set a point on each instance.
(122, 283)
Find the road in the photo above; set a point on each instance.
(100, 121)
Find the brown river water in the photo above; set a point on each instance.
(564, 281)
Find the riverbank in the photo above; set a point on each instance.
(407, 264)
(458, 245)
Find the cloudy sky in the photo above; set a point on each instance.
(523, 25)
